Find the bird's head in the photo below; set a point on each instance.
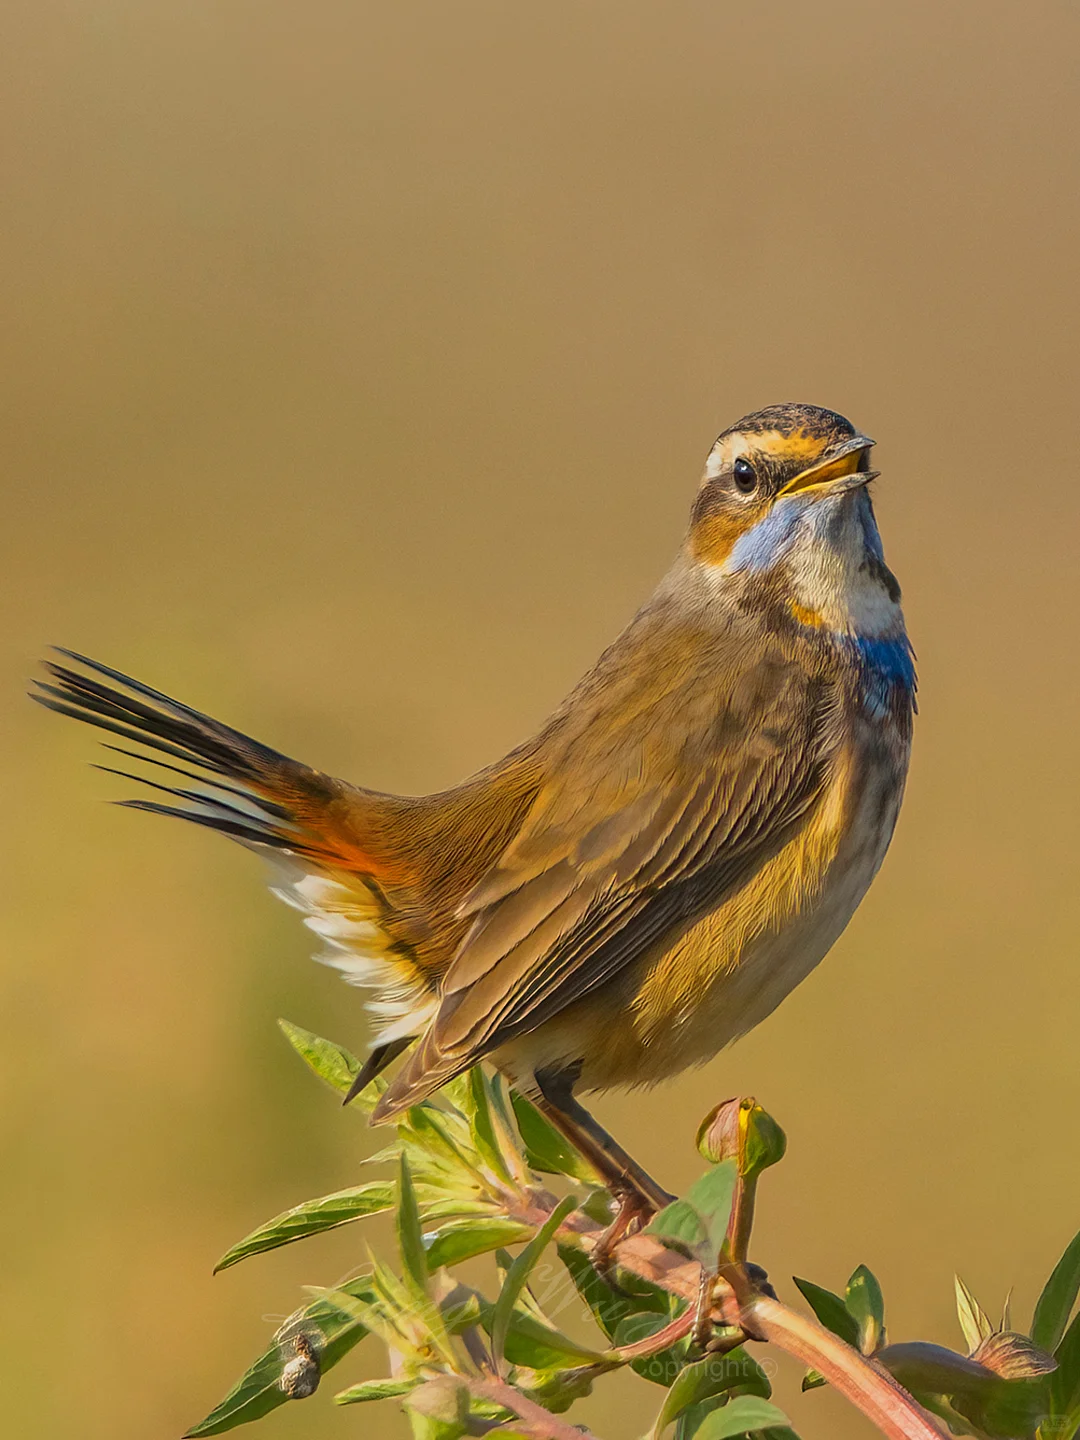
(784, 495)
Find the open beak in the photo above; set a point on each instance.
(844, 461)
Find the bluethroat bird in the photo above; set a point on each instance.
(647, 877)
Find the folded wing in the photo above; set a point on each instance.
(645, 822)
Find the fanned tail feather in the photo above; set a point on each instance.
(296, 817)
(246, 811)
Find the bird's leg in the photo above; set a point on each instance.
(635, 1192)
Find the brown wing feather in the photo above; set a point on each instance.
(661, 795)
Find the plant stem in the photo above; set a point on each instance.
(872, 1390)
(541, 1422)
(742, 1219)
(659, 1340)
(866, 1386)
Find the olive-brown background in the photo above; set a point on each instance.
(360, 361)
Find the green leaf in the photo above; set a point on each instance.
(712, 1196)
(443, 1142)
(416, 1319)
(1057, 1299)
(258, 1391)
(332, 1063)
(697, 1223)
(973, 1319)
(432, 1427)
(749, 1378)
(409, 1234)
(866, 1305)
(1013, 1408)
(453, 1208)
(312, 1218)
(461, 1240)
(765, 1143)
(744, 1414)
(830, 1310)
(813, 1380)
(680, 1223)
(609, 1306)
(689, 1420)
(1064, 1427)
(527, 1302)
(536, 1343)
(456, 1092)
(715, 1375)
(545, 1149)
(483, 1126)
(518, 1274)
(1065, 1381)
(664, 1366)
(922, 1366)
(371, 1310)
(374, 1390)
(506, 1129)
(439, 1409)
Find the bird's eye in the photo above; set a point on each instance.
(745, 479)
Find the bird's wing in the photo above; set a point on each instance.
(646, 820)
(303, 822)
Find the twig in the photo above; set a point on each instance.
(541, 1422)
(659, 1340)
(871, 1389)
(868, 1387)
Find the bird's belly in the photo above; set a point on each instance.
(741, 993)
(697, 993)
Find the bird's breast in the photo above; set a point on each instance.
(698, 992)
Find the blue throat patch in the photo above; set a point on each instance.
(767, 542)
(887, 665)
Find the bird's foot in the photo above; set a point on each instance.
(634, 1211)
(746, 1279)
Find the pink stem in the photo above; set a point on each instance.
(659, 1340)
(540, 1421)
(866, 1386)
(880, 1398)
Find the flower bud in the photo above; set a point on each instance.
(927, 1368)
(718, 1134)
(1013, 1357)
(740, 1129)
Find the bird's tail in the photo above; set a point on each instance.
(237, 786)
(315, 830)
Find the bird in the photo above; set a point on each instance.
(643, 880)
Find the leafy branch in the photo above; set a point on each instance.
(470, 1176)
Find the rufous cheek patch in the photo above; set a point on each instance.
(714, 536)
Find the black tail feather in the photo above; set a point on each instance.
(376, 1063)
(196, 797)
(167, 727)
(263, 803)
(198, 733)
(127, 732)
(247, 833)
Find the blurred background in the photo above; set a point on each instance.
(359, 364)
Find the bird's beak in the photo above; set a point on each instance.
(840, 462)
